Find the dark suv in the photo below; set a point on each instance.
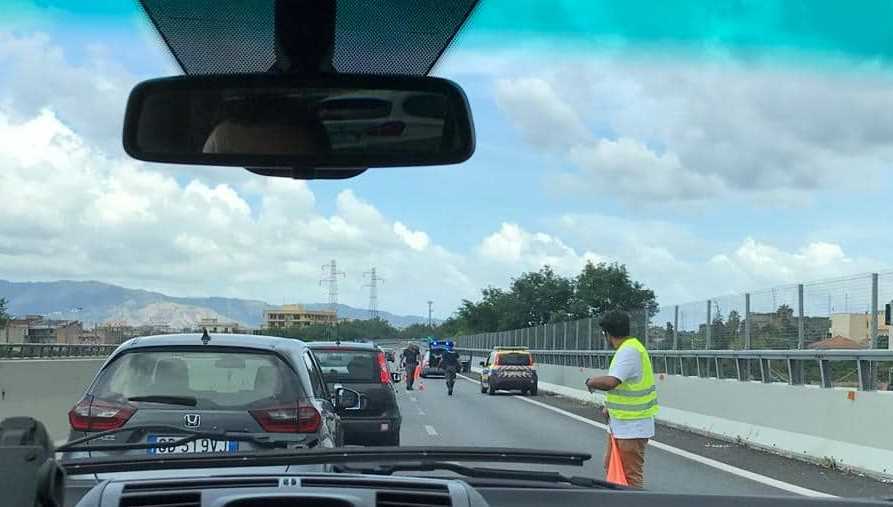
(363, 367)
(240, 385)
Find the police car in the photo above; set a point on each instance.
(509, 368)
(431, 360)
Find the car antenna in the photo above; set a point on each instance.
(205, 336)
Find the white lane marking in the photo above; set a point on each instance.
(413, 398)
(725, 467)
(421, 412)
(430, 429)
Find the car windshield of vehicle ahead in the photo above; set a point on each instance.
(645, 237)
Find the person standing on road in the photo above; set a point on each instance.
(631, 396)
(410, 360)
(450, 364)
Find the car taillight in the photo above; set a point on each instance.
(297, 418)
(96, 415)
(383, 374)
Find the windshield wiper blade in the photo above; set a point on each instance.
(482, 473)
(188, 401)
(188, 436)
(323, 456)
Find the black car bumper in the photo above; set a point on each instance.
(360, 428)
(512, 384)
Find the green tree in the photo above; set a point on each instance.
(538, 298)
(602, 287)
(371, 329)
(4, 313)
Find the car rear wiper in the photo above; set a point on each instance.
(481, 473)
(323, 456)
(189, 435)
(188, 401)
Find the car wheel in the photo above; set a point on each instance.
(533, 390)
(491, 390)
(483, 388)
(524, 392)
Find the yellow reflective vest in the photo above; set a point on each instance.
(634, 400)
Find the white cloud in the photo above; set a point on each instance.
(527, 251)
(417, 240)
(544, 119)
(679, 128)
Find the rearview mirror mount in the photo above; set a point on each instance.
(329, 125)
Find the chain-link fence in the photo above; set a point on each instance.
(839, 313)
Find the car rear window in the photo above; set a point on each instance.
(513, 359)
(348, 365)
(217, 379)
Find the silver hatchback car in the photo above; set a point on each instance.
(241, 392)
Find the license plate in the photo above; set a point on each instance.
(196, 446)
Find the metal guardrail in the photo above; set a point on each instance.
(797, 366)
(52, 350)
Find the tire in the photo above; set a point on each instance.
(483, 389)
(533, 390)
(491, 390)
(524, 392)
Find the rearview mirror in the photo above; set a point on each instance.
(348, 399)
(331, 122)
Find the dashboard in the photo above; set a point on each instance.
(348, 490)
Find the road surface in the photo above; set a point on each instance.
(683, 463)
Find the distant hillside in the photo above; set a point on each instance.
(96, 302)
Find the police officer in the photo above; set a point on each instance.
(410, 359)
(450, 364)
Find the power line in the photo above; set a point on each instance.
(331, 280)
(373, 292)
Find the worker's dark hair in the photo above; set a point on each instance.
(615, 323)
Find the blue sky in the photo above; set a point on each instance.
(713, 147)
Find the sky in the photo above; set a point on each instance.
(712, 147)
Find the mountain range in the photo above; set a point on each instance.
(97, 302)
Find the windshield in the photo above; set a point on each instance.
(218, 379)
(513, 359)
(678, 208)
(348, 365)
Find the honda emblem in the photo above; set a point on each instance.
(192, 420)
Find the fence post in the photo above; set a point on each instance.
(747, 343)
(645, 333)
(801, 330)
(564, 344)
(577, 335)
(708, 329)
(872, 326)
(676, 327)
(590, 333)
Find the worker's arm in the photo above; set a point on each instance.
(603, 383)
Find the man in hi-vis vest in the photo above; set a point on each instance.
(631, 397)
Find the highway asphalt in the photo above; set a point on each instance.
(677, 462)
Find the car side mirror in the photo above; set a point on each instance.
(348, 399)
(396, 377)
(483, 363)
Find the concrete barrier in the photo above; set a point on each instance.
(45, 389)
(843, 428)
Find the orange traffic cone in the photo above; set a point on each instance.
(418, 376)
(615, 466)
